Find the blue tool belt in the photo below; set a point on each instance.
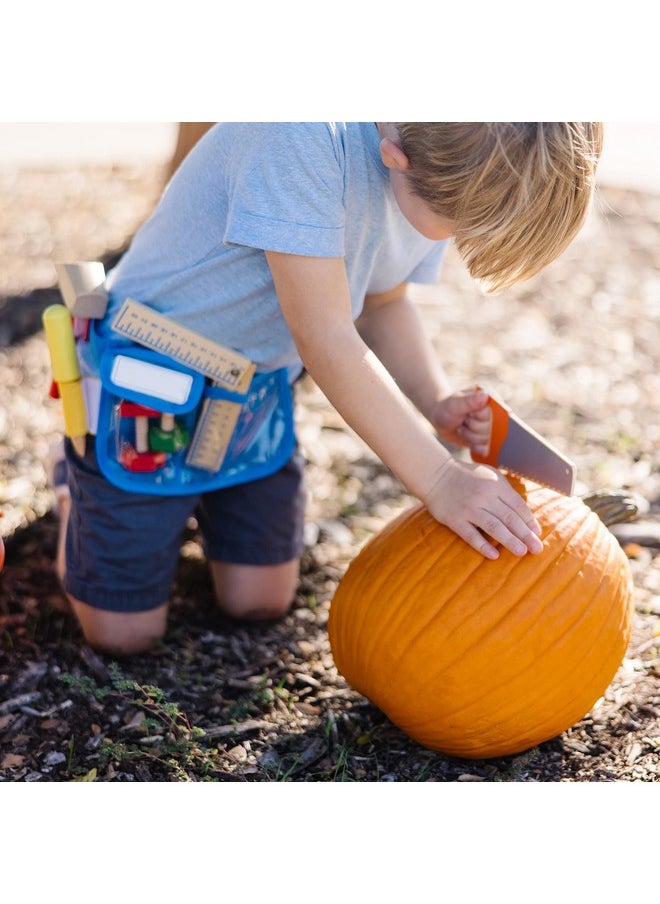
(144, 440)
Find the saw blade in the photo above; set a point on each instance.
(518, 448)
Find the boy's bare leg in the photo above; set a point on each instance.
(251, 592)
(118, 633)
(255, 592)
(63, 501)
(121, 633)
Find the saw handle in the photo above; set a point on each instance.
(498, 431)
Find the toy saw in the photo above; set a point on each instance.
(517, 448)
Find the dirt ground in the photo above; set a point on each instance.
(575, 352)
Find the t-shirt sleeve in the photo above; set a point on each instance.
(285, 187)
(428, 270)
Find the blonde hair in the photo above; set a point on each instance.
(519, 192)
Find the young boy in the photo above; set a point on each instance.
(292, 244)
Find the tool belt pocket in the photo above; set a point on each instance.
(166, 429)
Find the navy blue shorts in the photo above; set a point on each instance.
(122, 548)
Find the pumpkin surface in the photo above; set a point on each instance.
(477, 658)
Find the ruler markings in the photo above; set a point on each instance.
(213, 433)
(147, 327)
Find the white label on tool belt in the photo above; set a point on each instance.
(151, 379)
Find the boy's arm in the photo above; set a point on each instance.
(391, 326)
(315, 300)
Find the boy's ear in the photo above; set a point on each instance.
(392, 155)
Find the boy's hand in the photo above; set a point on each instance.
(464, 419)
(476, 500)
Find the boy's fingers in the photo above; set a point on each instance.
(477, 541)
(511, 525)
(490, 513)
(496, 529)
(523, 531)
(480, 418)
(521, 511)
(514, 536)
(473, 400)
(473, 425)
(475, 433)
(467, 403)
(478, 443)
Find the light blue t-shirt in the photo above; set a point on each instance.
(308, 188)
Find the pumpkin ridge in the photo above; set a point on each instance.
(452, 607)
(551, 689)
(568, 713)
(542, 730)
(396, 621)
(559, 591)
(420, 587)
(461, 546)
(477, 684)
(423, 586)
(359, 574)
(551, 726)
(388, 585)
(368, 561)
(388, 617)
(536, 574)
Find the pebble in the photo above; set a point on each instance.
(54, 758)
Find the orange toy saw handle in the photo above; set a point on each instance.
(498, 431)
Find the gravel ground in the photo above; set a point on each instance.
(574, 352)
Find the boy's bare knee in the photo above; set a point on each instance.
(116, 633)
(255, 603)
(121, 633)
(120, 645)
(255, 592)
(254, 609)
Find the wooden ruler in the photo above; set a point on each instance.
(215, 427)
(225, 367)
(147, 327)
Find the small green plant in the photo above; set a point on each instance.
(260, 697)
(70, 749)
(342, 770)
(169, 738)
(312, 602)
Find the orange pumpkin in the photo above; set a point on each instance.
(477, 658)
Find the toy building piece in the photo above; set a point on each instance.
(140, 457)
(141, 414)
(141, 461)
(168, 436)
(81, 285)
